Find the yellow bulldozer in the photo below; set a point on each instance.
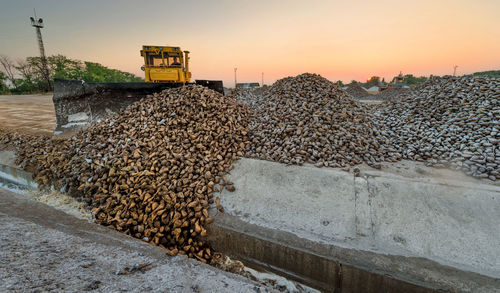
(78, 103)
(165, 64)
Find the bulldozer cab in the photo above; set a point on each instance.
(78, 104)
(165, 64)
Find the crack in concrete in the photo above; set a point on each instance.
(371, 193)
(356, 218)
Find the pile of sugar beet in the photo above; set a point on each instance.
(451, 122)
(153, 170)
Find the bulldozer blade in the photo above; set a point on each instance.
(78, 104)
(215, 85)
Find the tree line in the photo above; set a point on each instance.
(490, 73)
(25, 76)
(410, 79)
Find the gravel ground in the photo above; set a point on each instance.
(48, 250)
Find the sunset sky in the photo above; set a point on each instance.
(338, 39)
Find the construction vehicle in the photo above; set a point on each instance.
(165, 64)
(77, 103)
(397, 82)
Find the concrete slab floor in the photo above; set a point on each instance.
(42, 249)
(28, 113)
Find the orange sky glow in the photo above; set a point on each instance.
(341, 40)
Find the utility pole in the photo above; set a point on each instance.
(235, 81)
(262, 79)
(455, 70)
(37, 23)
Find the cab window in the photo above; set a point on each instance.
(172, 59)
(154, 59)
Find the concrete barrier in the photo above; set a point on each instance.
(441, 233)
(9, 174)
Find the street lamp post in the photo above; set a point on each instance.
(235, 80)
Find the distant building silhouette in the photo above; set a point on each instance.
(248, 85)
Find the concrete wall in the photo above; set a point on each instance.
(450, 222)
(9, 174)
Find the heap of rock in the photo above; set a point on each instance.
(152, 170)
(307, 118)
(450, 121)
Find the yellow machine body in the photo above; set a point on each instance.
(165, 64)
